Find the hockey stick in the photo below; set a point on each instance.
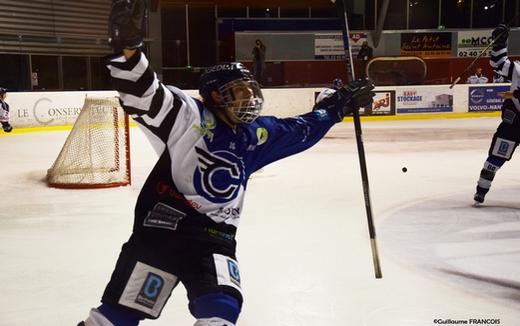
(341, 6)
(468, 68)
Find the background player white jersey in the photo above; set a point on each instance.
(507, 137)
(4, 111)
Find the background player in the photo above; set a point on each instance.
(4, 111)
(337, 83)
(506, 138)
(188, 210)
(477, 78)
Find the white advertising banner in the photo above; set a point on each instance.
(355, 41)
(329, 46)
(424, 99)
(39, 109)
(472, 43)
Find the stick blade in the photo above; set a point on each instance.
(455, 82)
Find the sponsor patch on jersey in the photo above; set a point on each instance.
(220, 234)
(164, 217)
(227, 271)
(147, 289)
(503, 148)
(204, 132)
(207, 124)
(262, 134)
(225, 213)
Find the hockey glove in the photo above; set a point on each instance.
(500, 35)
(126, 24)
(347, 99)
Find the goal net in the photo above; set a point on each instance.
(96, 153)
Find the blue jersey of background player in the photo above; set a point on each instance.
(188, 210)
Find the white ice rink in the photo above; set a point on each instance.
(303, 243)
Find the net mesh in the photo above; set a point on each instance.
(96, 153)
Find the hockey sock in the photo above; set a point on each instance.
(487, 174)
(215, 309)
(484, 182)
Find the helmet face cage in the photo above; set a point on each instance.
(247, 109)
(228, 78)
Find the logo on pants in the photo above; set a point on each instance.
(234, 273)
(147, 289)
(504, 148)
(150, 291)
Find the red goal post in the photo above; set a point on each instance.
(96, 153)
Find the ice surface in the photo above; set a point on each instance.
(303, 243)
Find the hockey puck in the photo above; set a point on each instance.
(404, 169)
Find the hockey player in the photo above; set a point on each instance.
(4, 111)
(337, 83)
(477, 78)
(506, 138)
(188, 210)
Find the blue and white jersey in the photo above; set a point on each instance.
(510, 70)
(204, 165)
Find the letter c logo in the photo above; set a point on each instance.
(35, 109)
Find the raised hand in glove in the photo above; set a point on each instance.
(126, 24)
(500, 34)
(348, 98)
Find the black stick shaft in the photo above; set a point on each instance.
(342, 5)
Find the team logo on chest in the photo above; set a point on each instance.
(218, 176)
